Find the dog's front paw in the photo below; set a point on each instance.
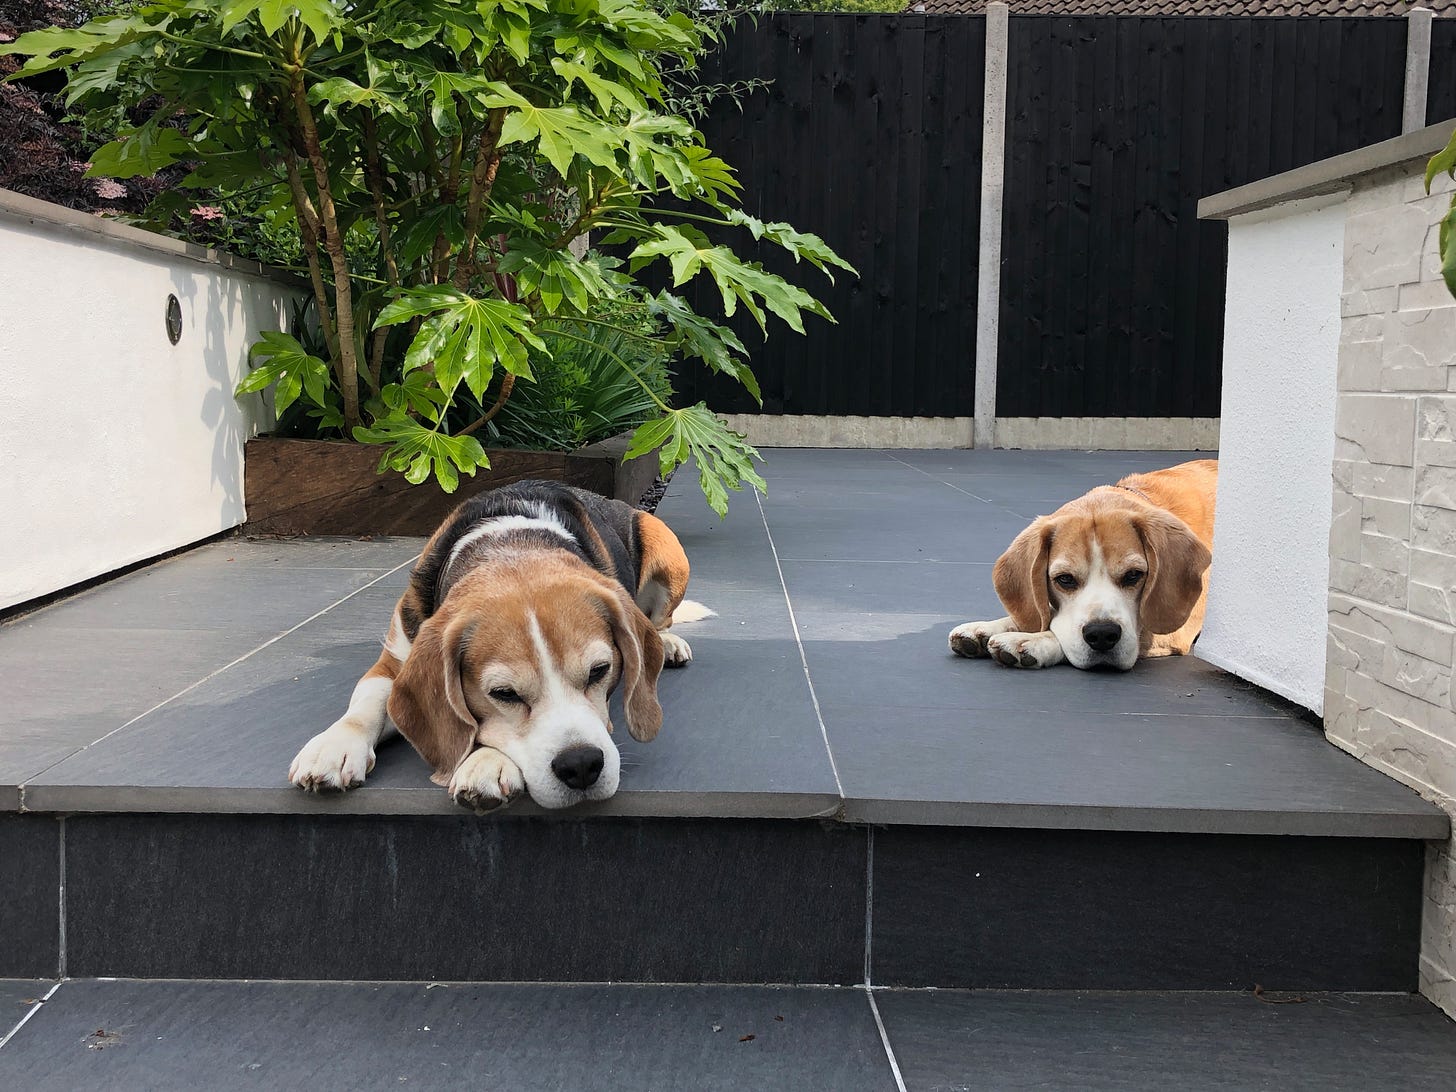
(486, 780)
(675, 651)
(1025, 649)
(969, 639)
(336, 758)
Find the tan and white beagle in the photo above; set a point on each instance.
(1120, 572)
(525, 611)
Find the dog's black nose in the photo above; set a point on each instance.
(1101, 636)
(578, 767)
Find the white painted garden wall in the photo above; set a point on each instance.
(1385, 399)
(116, 445)
(1268, 587)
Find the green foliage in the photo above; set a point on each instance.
(601, 382)
(1444, 162)
(441, 166)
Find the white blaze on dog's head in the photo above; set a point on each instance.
(1102, 574)
(526, 664)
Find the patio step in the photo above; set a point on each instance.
(232, 1035)
(833, 800)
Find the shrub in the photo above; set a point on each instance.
(441, 162)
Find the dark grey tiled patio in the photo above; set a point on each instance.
(823, 687)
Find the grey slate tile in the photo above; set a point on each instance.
(30, 882)
(86, 665)
(17, 997)
(464, 898)
(226, 745)
(1108, 1042)
(934, 588)
(1076, 909)
(182, 1036)
(1112, 771)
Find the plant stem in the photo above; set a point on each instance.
(376, 189)
(482, 181)
(213, 47)
(308, 224)
(449, 194)
(619, 329)
(508, 382)
(333, 241)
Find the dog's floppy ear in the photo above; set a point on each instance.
(1176, 562)
(637, 640)
(427, 702)
(1020, 577)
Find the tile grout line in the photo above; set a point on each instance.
(799, 641)
(885, 1042)
(61, 905)
(29, 1013)
(958, 489)
(869, 902)
(214, 674)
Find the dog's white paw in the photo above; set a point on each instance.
(1026, 649)
(675, 651)
(336, 758)
(969, 639)
(486, 780)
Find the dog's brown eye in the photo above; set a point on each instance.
(598, 673)
(505, 695)
(1066, 581)
(1132, 578)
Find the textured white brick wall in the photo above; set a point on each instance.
(1389, 697)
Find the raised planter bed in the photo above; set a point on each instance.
(324, 487)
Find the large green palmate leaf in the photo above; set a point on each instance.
(716, 346)
(463, 337)
(1448, 248)
(141, 153)
(319, 16)
(801, 244)
(418, 452)
(556, 275)
(725, 460)
(57, 47)
(606, 92)
(560, 132)
(1444, 162)
(689, 252)
(282, 360)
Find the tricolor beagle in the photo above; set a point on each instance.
(1118, 573)
(526, 609)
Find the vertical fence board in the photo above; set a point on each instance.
(1111, 289)
(1188, 106)
(1441, 99)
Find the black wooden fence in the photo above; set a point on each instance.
(1441, 102)
(1111, 289)
(870, 136)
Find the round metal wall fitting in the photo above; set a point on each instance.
(174, 320)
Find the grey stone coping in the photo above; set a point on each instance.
(823, 688)
(18, 207)
(1328, 176)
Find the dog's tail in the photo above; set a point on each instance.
(690, 610)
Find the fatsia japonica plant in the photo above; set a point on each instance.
(446, 164)
(1444, 162)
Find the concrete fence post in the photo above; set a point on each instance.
(993, 180)
(1417, 69)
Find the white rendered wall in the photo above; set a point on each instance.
(1269, 585)
(115, 445)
